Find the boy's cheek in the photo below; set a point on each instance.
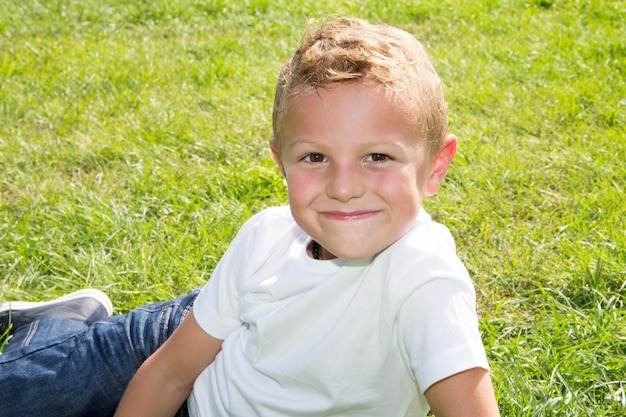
(302, 188)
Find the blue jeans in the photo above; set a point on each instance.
(67, 368)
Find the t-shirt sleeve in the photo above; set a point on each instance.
(216, 308)
(447, 340)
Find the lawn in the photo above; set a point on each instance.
(133, 145)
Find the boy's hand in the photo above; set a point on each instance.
(466, 394)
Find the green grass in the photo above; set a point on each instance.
(133, 144)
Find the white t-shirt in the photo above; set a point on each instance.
(304, 337)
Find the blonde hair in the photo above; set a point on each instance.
(352, 50)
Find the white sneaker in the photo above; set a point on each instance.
(88, 306)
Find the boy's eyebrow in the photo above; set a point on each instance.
(288, 144)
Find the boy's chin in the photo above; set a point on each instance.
(352, 251)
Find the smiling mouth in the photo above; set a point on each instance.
(349, 216)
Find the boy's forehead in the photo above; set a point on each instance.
(373, 113)
(351, 92)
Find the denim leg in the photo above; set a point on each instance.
(42, 332)
(82, 371)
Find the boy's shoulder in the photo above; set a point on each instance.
(271, 217)
(262, 231)
(426, 253)
(276, 212)
(431, 235)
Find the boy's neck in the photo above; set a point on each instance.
(317, 251)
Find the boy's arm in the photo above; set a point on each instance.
(166, 378)
(466, 394)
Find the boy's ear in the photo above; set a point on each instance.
(440, 164)
(276, 156)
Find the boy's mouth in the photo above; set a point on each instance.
(349, 216)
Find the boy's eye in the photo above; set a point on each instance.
(377, 157)
(314, 157)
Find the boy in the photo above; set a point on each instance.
(351, 301)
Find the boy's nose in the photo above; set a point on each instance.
(345, 183)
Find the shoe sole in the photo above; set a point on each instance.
(99, 296)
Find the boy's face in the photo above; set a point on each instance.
(356, 167)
